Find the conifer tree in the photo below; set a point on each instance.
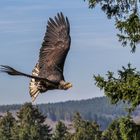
(60, 131)
(112, 132)
(85, 130)
(124, 87)
(122, 129)
(77, 121)
(31, 124)
(129, 129)
(6, 124)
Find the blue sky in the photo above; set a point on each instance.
(94, 48)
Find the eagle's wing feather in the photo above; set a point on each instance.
(55, 47)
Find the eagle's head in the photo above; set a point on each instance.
(64, 85)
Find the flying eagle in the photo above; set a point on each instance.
(48, 72)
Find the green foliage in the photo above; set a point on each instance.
(30, 124)
(125, 88)
(85, 130)
(117, 8)
(113, 132)
(61, 132)
(122, 129)
(127, 18)
(129, 130)
(130, 30)
(6, 124)
(77, 120)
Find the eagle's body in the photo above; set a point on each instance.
(48, 72)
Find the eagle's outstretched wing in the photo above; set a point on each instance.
(54, 48)
(48, 73)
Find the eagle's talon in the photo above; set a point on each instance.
(41, 88)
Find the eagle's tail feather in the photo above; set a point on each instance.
(34, 87)
(9, 70)
(34, 84)
(34, 91)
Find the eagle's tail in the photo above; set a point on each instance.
(33, 87)
(35, 79)
(34, 84)
(11, 71)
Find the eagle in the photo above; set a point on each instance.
(48, 71)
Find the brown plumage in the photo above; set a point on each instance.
(48, 72)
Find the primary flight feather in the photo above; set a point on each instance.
(48, 72)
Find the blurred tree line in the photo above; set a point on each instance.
(30, 124)
(98, 109)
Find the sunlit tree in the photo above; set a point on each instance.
(31, 124)
(123, 87)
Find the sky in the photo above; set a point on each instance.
(94, 48)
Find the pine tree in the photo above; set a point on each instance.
(31, 124)
(112, 132)
(124, 87)
(122, 129)
(85, 130)
(77, 121)
(61, 132)
(6, 124)
(129, 129)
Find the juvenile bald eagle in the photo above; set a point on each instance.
(48, 72)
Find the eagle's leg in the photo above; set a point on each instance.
(42, 88)
(64, 85)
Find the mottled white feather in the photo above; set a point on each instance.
(34, 84)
